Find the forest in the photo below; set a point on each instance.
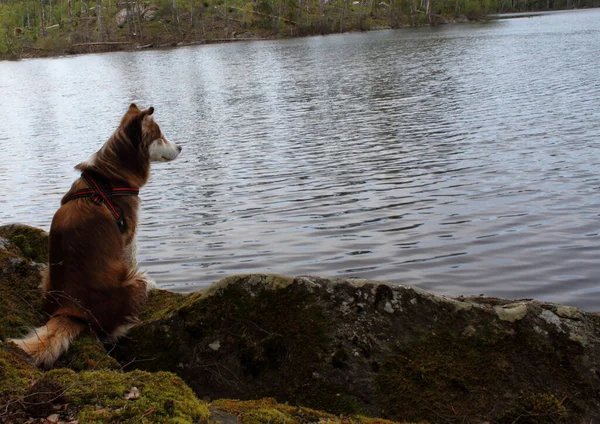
(33, 28)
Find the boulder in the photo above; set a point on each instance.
(23, 252)
(147, 13)
(303, 349)
(87, 384)
(364, 347)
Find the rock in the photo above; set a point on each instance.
(22, 249)
(29, 242)
(342, 346)
(147, 13)
(87, 385)
(133, 394)
(371, 348)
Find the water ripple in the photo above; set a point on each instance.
(461, 159)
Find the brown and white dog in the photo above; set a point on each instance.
(93, 280)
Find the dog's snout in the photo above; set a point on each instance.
(179, 148)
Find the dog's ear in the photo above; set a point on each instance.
(136, 121)
(146, 116)
(131, 124)
(148, 111)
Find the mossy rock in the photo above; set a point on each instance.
(21, 307)
(160, 304)
(241, 333)
(356, 348)
(536, 408)
(87, 353)
(17, 373)
(350, 348)
(444, 375)
(141, 397)
(269, 411)
(26, 241)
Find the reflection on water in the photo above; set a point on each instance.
(461, 159)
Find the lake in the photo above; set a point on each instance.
(462, 159)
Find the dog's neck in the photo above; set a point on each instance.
(119, 163)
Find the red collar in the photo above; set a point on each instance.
(100, 195)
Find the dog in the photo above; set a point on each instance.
(93, 281)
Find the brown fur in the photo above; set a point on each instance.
(93, 278)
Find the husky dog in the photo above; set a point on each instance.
(93, 280)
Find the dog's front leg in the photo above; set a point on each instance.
(130, 256)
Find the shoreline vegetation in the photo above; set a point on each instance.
(43, 28)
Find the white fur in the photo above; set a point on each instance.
(90, 162)
(46, 344)
(130, 253)
(38, 336)
(150, 285)
(162, 150)
(120, 331)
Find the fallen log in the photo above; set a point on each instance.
(102, 43)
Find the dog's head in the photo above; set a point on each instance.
(143, 131)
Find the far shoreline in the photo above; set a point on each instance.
(135, 46)
(119, 46)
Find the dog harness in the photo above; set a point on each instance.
(100, 196)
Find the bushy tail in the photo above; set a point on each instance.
(46, 344)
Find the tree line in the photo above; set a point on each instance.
(40, 27)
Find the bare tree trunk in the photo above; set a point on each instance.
(322, 15)
(342, 10)
(138, 14)
(69, 11)
(278, 19)
(361, 19)
(192, 17)
(128, 19)
(176, 17)
(42, 19)
(100, 20)
(226, 19)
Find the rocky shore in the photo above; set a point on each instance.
(272, 349)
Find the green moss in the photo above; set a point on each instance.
(267, 410)
(87, 353)
(31, 242)
(100, 397)
(447, 376)
(329, 398)
(265, 416)
(263, 330)
(21, 305)
(160, 304)
(536, 408)
(16, 376)
(16, 371)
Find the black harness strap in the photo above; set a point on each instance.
(101, 196)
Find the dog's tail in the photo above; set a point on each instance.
(47, 343)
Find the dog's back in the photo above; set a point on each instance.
(87, 265)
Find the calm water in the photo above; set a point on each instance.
(463, 159)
